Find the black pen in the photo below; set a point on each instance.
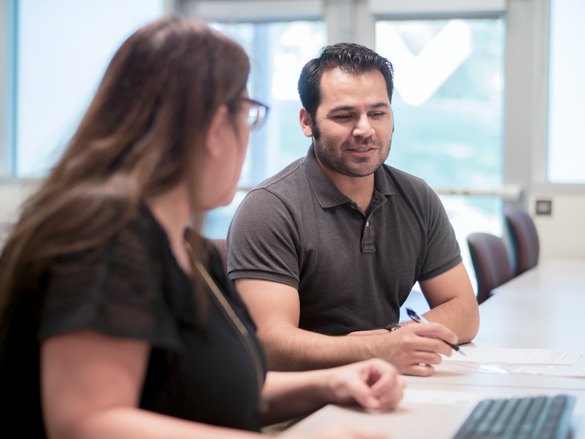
(418, 319)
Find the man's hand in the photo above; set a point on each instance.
(413, 349)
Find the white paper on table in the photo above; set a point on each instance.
(425, 396)
(550, 371)
(469, 366)
(517, 356)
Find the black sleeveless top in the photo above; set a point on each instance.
(132, 286)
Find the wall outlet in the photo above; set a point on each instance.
(543, 207)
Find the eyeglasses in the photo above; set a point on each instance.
(256, 114)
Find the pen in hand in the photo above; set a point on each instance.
(418, 319)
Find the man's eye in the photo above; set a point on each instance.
(342, 116)
(379, 114)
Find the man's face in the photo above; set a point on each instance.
(352, 130)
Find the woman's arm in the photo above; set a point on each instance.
(91, 385)
(373, 384)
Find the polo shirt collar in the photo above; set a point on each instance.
(327, 193)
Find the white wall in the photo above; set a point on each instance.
(562, 235)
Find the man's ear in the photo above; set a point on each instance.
(305, 120)
(217, 133)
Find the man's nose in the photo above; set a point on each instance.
(363, 127)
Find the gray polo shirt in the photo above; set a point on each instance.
(353, 271)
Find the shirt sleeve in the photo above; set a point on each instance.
(114, 289)
(443, 252)
(263, 241)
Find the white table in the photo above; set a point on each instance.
(543, 308)
(549, 277)
(423, 421)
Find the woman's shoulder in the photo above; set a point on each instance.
(119, 287)
(138, 240)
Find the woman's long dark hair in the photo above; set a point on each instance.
(140, 137)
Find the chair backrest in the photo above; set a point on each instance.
(524, 239)
(221, 246)
(490, 262)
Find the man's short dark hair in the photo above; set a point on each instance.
(349, 57)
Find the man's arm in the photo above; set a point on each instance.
(275, 309)
(453, 303)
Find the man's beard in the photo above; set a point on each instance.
(326, 155)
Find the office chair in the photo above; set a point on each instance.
(490, 262)
(221, 247)
(524, 238)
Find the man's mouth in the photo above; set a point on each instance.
(362, 149)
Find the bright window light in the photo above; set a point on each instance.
(566, 149)
(278, 52)
(63, 49)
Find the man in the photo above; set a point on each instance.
(325, 252)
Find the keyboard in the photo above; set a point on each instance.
(540, 417)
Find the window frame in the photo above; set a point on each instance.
(355, 21)
(526, 76)
(7, 78)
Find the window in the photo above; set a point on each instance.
(448, 112)
(62, 50)
(566, 153)
(278, 52)
(448, 99)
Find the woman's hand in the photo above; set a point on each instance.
(373, 384)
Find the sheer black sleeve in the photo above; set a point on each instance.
(116, 289)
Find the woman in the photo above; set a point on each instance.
(117, 319)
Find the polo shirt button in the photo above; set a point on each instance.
(367, 224)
